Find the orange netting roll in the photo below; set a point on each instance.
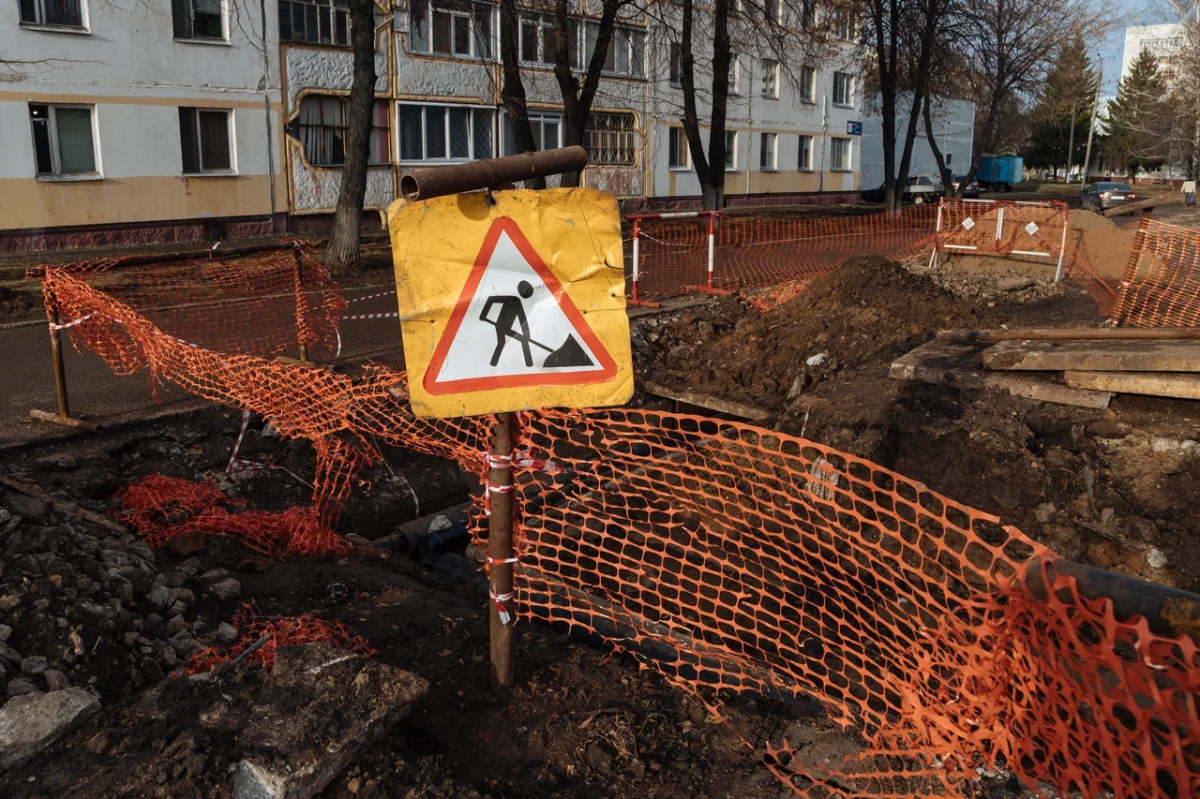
(283, 631)
(1161, 286)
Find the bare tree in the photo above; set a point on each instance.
(347, 221)
(512, 89)
(1008, 46)
(1183, 100)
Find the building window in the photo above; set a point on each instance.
(59, 13)
(804, 159)
(547, 130)
(445, 132)
(538, 39)
(843, 25)
(843, 89)
(766, 155)
(323, 127)
(735, 75)
(204, 136)
(198, 19)
(315, 22)
(626, 50)
(808, 14)
(677, 149)
(771, 11)
(731, 138)
(63, 139)
(610, 140)
(770, 78)
(458, 28)
(949, 159)
(676, 65)
(808, 84)
(840, 158)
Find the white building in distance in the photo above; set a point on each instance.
(1163, 41)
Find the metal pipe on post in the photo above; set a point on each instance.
(500, 550)
(711, 221)
(63, 417)
(637, 223)
(424, 184)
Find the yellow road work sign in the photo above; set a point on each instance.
(512, 305)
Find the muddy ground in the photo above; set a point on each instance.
(1114, 488)
(580, 723)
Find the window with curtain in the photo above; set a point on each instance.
(677, 149)
(839, 155)
(458, 28)
(445, 132)
(198, 19)
(804, 159)
(731, 138)
(766, 154)
(610, 139)
(323, 130)
(843, 88)
(315, 22)
(626, 50)
(770, 78)
(58, 13)
(63, 139)
(808, 84)
(547, 129)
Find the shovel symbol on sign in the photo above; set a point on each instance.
(512, 313)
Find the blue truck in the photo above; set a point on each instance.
(999, 172)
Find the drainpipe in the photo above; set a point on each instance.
(824, 138)
(266, 80)
(749, 123)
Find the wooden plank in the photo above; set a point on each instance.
(707, 401)
(958, 364)
(1090, 333)
(1140, 205)
(1156, 384)
(1095, 356)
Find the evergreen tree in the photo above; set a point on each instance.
(1066, 98)
(1138, 120)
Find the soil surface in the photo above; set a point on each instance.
(1107, 488)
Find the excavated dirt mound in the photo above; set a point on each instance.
(1104, 244)
(867, 312)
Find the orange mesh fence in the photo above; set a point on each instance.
(673, 254)
(1039, 232)
(734, 558)
(283, 631)
(261, 304)
(737, 558)
(1161, 286)
(159, 508)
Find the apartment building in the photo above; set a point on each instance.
(127, 123)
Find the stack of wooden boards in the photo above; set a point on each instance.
(1083, 366)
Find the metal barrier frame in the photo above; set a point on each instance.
(1062, 247)
(637, 226)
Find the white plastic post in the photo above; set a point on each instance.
(1062, 249)
(636, 230)
(711, 219)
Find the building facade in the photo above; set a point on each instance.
(1163, 41)
(208, 118)
(953, 126)
(124, 125)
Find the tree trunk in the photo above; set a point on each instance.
(885, 58)
(344, 240)
(691, 118)
(513, 90)
(720, 106)
(577, 99)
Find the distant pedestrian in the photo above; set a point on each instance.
(1189, 192)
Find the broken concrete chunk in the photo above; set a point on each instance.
(296, 750)
(59, 462)
(29, 724)
(225, 590)
(226, 633)
(56, 680)
(21, 687)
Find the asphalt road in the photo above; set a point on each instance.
(96, 393)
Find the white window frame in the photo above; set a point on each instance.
(229, 132)
(332, 11)
(40, 5)
(731, 148)
(735, 75)
(778, 12)
(808, 93)
(770, 79)
(800, 159)
(475, 38)
(772, 163)
(621, 34)
(542, 22)
(849, 81)
(849, 165)
(682, 148)
(56, 155)
(845, 26)
(672, 49)
(425, 160)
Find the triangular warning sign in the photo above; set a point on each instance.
(514, 326)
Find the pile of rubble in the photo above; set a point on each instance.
(87, 612)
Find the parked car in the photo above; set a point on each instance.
(999, 172)
(1099, 197)
(972, 192)
(920, 190)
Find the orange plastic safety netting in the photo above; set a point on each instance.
(740, 559)
(1037, 232)
(265, 303)
(282, 631)
(1161, 286)
(753, 252)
